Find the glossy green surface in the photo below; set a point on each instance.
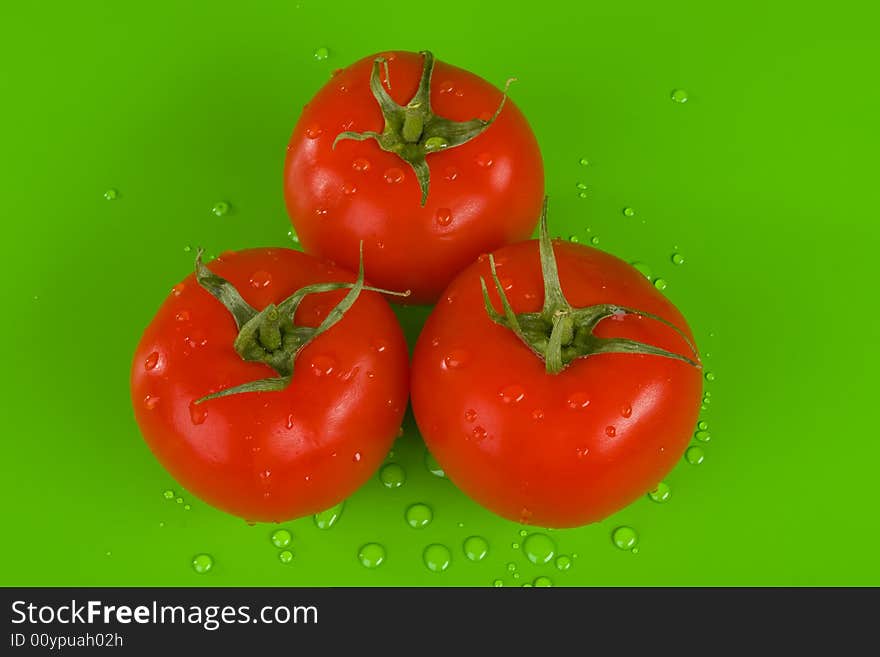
(764, 182)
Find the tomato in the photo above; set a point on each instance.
(583, 411)
(442, 183)
(299, 443)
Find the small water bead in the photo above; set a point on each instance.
(220, 208)
(393, 175)
(511, 566)
(512, 394)
(151, 361)
(679, 95)
(577, 401)
(629, 212)
(418, 515)
(479, 433)
(515, 545)
(285, 556)
(182, 316)
(187, 248)
(326, 519)
(610, 431)
(371, 555)
(695, 455)
(537, 415)
(703, 436)
(677, 259)
(710, 376)
(498, 583)
(392, 475)
(574, 239)
(470, 415)
(539, 548)
(281, 538)
(476, 548)
(321, 53)
(349, 188)
(186, 507)
(111, 194)
(542, 581)
(581, 186)
(661, 284)
(356, 457)
(643, 268)
(444, 216)
(594, 240)
(437, 557)
(484, 160)
(456, 359)
(314, 131)
(168, 494)
(202, 563)
(433, 467)
(260, 279)
(151, 401)
(584, 162)
(361, 164)
(661, 493)
(323, 365)
(702, 425)
(625, 538)
(563, 562)
(197, 413)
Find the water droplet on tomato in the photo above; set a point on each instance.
(539, 548)
(446, 87)
(151, 361)
(577, 401)
(512, 394)
(197, 413)
(703, 436)
(660, 493)
(456, 359)
(661, 284)
(479, 433)
(677, 259)
(542, 581)
(202, 563)
(379, 345)
(356, 457)
(321, 53)
(326, 519)
(177, 290)
(625, 538)
(629, 212)
(537, 415)
(695, 455)
(393, 175)
(582, 452)
(626, 411)
(484, 160)
(392, 475)
(182, 316)
(323, 365)
(361, 164)
(314, 131)
(444, 216)
(151, 401)
(418, 515)
(679, 95)
(290, 421)
(285, 556)
(450, 173)
(610, 431)
(265, 475)
(563, 562)
(111, 194)
(433, 467)
(476, 548)
(371, 555)
(349, 188)
(470, 415)
(220, 208)
(196, 338)
(281, 538)
(437, 557)
(260, 279)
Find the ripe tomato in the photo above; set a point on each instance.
(303, 444)
(439, 190)
(555, 449)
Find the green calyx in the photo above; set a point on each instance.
(270, 335)
(413, 131)
(559, 333)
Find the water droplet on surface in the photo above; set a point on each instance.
(450, 173)
(594, 240)
(625, 538)
(710, 376)
(679, 95)
(220, 208)
(476, 548)
(321, 53)
(433, 467)
(470, 415)
(512, 394)
(542, 581)
(677, 259)
(361, 164)
(581, 186)
(437, 557)
(563, 562)
(179, 500)
(444, 216)
(484, 160)
(323, 365)
(577, 401)
(418, 515)
(703, 436)
(537, 415)
(314, 131)
(182, 316)
(202, 563)
(661, 284)
(177, 290)
(539, 548)
(511, 566)
(456, 359)
(151, 401)
(583, 194)
(626, 411)
(661, 493)
(111, 194)
(186, 507)
(643, 268)
(151, 361)
(574, 239)
(702, 425)
(479, 433)
(610, 431)
(584, 162)
(281, 538)
(197, 413)
(629, 212)
(356, 457)
(393, 175)
(285, 556)
(168, 494)
(498, 583)
(371, 555)
(349, 188)
(326, 519)
(695, 455)
(392, 475)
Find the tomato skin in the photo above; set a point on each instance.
(483, 194)
(270, 456)
(563, 450)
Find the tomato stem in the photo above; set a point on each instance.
(413, 131)
(560, 333)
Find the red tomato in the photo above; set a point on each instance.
(482, 194)
(270, 456)
(554, 450)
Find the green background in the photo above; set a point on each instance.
(765, 180)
